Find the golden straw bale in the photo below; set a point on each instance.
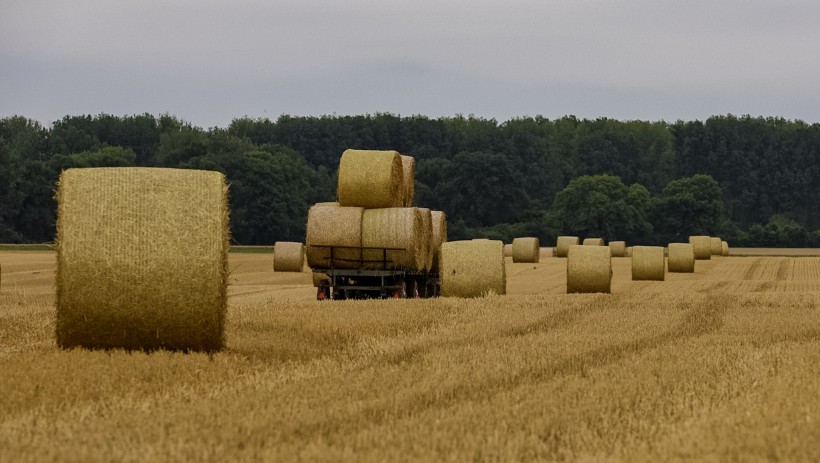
(426, 238)
(648, 263)
(681, 258)
(628, 251)
(396, 227)
(563, 243)
(330, 225)
(439, 236)
(288, 256)
(617, 248)
(370, 179)
(527, 249)
(142, 259)
(724, 249)
(703, 247)
(508, 250)
(408, 165)
(594, 242)
(472, 268)
(329, 203)
(715, 245)
(589, 269)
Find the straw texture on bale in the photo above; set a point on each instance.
(589, 269)
(395, 227)
(142, 259)
(370, 179)
(724, 249)
(526, 249)
(715, 244)
(438, 237)
(563, 243)
(508, 250)
(472, 268)
(320, 278)
(617, 248)
(628, 251)
(408, 167)
(288, 256)
(648, 263)
(703, 247)
(330, 225)
(594, 242)
(426, 238)
(681, 258)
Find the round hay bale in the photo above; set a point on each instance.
(398, 228)
(724, 249)
(426, 238)
(563, 243)
(703, 247)
(508, 250)
(715, 245)
(370, 179)
(329, 203)
(288, 256)
(628, 251)
(617, 248)
(594, 242)
(408, 166)
(438, 237)
(472, 268)
(681, 258)
(526, 249)
(589, 269)
(331, 225)
(648, 263)
(142, 259)
(320, 278)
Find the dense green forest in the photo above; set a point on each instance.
(752, 181)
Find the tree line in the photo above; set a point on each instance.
(750, 180)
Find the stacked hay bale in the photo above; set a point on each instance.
(142, 259)
(715, 245)
(371, 179)
(527, 249)
(329, 224)
(724, 249)
(288, 256)
(426, 237)
(594, 242)
(681, 258)
(703, 247)
(398, 229)
(589, 269)
(438, 236)
(408, 165)
(472, 268)
(648, 263)
(563, 243)
(617, 248)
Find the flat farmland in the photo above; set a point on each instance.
(722, 364)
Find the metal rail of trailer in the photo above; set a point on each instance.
(372, 279)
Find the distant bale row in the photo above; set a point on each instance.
(563, 244)
(594, 242)
(617, 248)
(472, 268)
(648, 263)
(288, 256)
(681, 258)
(527, 250)
(702, 247)
(589, 269)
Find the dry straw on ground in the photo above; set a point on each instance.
(141, 258)
(330, 225)
(288, 256)
(648, 263)
(408, 166)
(563, 243)
(617, 248)
(681, 258)
(399, 228)
(589, 269)
(703, 247)
(594, 242)
(426, 238)
(715, 245)
(472, 268)
(439, 236)
(724, 249)
(370, 179)
(526, 249)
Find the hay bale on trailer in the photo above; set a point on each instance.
(399, 228)
(320, 278)
(724, 249)
(408, 166)
(472, 268)
(426, 238)
(563, 243)
(288, 256)
(681, 258)
(617, 248)
(332, 225)
(715, 245)
(594, 242)
(439, 236)
(370, 179)
(589, 269)
(142, 259)
(526, 249)
(703, 247)
(648, 263)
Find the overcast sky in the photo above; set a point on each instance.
(209, 61)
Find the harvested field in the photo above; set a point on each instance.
(720, 364)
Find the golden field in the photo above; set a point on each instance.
(720, 365)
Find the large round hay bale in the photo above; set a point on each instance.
(617, 248)
(508, 250)
(681, 258)
(408, 166)
(715, 245)
(288, 256)
(594, 242)
(329, 225)
(703, 247)
(526, 249)
(648, 263)
(426, 238)
(563, 243)
(142, 259)
(472, 268)
(439, 236)
(724, 249)
(370, 179)
(589, 269)
(397, 229)
(628, 251)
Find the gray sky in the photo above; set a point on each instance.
(209, 61)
